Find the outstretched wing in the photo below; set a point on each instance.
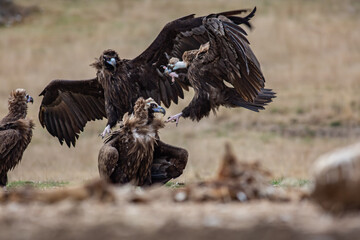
(236, 62)
(68, 105)
(178, 36)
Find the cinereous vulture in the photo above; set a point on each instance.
(226, 57)
(15, 133)
(134, 153)
(68, 105)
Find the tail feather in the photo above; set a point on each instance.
(243, 20)
(259, 103)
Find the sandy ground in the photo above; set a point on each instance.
(166, 219)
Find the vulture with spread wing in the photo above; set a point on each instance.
(134, 153)
(15, 133)
(226, 57)
(68, 105)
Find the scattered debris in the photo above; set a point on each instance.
(337, 179)
(146, 195)
(11, 13)
(236, 181)
(97, 189)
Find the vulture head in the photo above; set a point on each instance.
(145, 109)
(188, 56)
(18, 103)
(108, 61)
(142, 122)
(175, 64)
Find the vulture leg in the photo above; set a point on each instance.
(199, 107)
(106, 131)
(174, 118)
(169, 162)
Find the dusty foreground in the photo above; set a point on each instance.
(135, 218)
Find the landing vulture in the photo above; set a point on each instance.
(15, 133)
(227, 57)
(68, 105)
(134, 153)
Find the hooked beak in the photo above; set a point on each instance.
(179, 65)
(112, 62)
(29, 99)
(159, 109)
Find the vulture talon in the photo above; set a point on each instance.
(173, 75)
(106, 131)
(174, 118)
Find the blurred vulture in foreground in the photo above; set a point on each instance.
(68, 105)
(135, 154)
(15, 133)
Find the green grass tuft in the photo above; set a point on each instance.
(175, 184)
(277, 182)
(290, 182)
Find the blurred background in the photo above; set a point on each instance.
(309, 51)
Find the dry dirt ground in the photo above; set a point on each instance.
(310, 55)
(162, 218)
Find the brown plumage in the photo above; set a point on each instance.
(68, 105)
(223, 72)
(15, 133)
(169, 162)
(128, 153)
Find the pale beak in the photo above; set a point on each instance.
(159, 109)
(112, 62)
(179, 65)
(29, 99)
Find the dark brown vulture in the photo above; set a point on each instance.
(15, 133)
(134, 153)
(68, 105)
(227, 57)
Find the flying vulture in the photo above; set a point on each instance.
(226, 57)
(68, 105)
(134, 153)
(15, 133)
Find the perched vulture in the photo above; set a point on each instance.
(68, 105)
(15, 133)
(135, 154)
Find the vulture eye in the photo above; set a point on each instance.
(153, 105)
